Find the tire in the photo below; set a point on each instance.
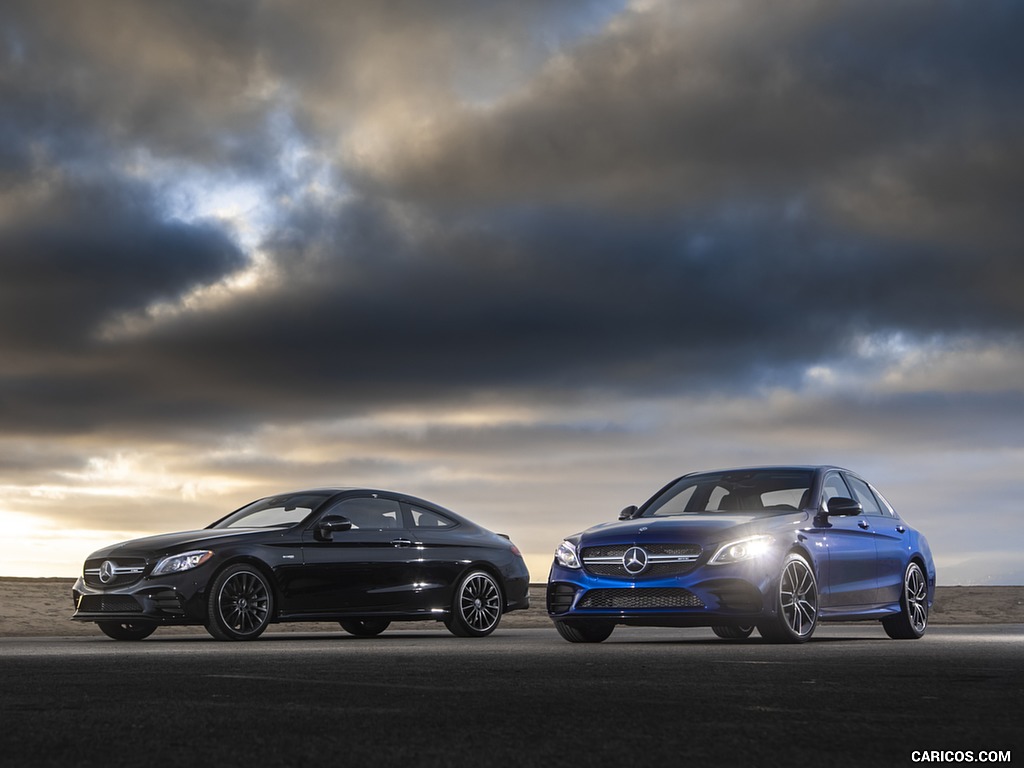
(126, 630)
(796, 604)
(476, 606)
(240, 605)
(912, 620)
(364, 627)
(585, 632)
(733, 631)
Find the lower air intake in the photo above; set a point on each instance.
(640, 598)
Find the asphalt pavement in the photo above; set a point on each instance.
(522, 697)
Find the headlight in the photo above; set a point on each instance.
(183, 562)
(741, 549)
(566, 555)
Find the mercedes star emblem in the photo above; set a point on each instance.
(106, 571)
(635, 560)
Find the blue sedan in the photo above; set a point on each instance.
(776, 548)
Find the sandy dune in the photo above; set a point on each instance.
(41, 607)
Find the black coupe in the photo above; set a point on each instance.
(364, 558)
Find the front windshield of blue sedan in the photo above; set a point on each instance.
(273, 512)
(757, 490)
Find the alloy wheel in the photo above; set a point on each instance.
(799, 597)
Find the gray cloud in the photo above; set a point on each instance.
(791, 226)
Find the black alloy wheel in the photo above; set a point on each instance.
(241, 604)
(585, 631)
(364, 627)
(476, 607)
(733, 631)
(126, 630)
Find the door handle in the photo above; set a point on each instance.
(900, 529)
(863, 524)
(401, 542)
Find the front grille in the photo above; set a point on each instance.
(560, 597)
(662, 560)
(109, 604)
(121, 572)
(640, 598)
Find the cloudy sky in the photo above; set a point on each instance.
(528, 259)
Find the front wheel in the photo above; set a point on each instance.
(476, 607)
(796, 604)
(734, 631)
(364, 627)
(241, 604)
(126, 630)
(585, 632)
(912, 620)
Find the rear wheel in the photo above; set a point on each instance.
(796, 604)
(912, 620)
(364, 627)
(585, 631)
(241, 604)
(126, 630)
(734, 631)
(476, 607)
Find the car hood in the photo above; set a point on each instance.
(171, 542)
(697, 529)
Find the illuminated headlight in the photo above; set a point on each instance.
(183, 562)
(741, 549)
(566, 555)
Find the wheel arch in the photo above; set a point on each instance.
(259, 565)
(487, 567)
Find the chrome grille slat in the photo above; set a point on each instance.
(124, 571)
(662, 559)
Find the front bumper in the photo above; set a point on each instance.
(172, 599)
(706, 596)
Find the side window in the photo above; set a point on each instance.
(865, 497)
(369, 513)
(887, 509)
(833, 486)
(423, 518)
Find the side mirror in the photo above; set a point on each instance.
(840, 506)
(331, 523)
(628, 512)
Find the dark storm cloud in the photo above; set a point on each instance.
(698, 197)
(705, 101)
(374, 311)
(86, 83)
(81, 251)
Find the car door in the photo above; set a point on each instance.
(851, 553)
(889, 535)
(368, 568)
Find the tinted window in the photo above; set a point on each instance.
(369, 513)
(273, 512)
(422, 518)
(884, 503)
(748, 491)
(833, 486)
(864, 496)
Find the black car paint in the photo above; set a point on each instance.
(398, 574)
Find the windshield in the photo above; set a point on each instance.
(273, 512)
(747, 491)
